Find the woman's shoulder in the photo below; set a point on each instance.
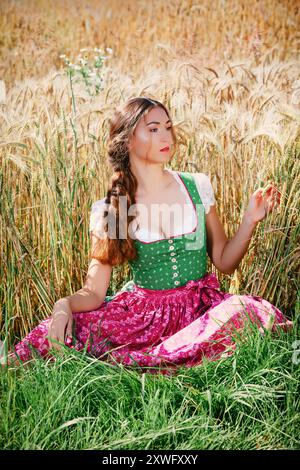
(203, 180)
(204, 177)
(98, 203)
(205, 189)
(96, 217)
(201, 177)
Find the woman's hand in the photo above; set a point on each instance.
(262, 202)
(60, 326)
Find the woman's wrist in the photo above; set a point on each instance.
(248, 220)
(62, 307)
(60, 312)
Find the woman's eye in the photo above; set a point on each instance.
(155, 129)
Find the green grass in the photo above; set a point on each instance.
(249, 400)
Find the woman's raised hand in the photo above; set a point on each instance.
(262, 202)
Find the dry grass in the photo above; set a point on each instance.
(231, 79)
(34, 33)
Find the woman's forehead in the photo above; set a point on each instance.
(157, 114)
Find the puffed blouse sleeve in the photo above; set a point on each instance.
(206, 191)
(96, 218)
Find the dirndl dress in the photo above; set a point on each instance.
(171, 313)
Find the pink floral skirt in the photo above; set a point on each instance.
(159, 330)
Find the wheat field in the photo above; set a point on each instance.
(229, 72)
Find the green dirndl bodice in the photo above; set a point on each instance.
(172, 262)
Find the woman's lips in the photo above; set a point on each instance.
(166, 149)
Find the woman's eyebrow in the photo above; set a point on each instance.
(156, 122)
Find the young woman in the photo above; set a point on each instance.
(172, 312)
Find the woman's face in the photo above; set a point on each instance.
(152, 133)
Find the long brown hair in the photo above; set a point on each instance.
(116, 251)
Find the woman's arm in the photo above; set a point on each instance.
(93, 293)
(226, 254)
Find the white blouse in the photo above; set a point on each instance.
(206, 193)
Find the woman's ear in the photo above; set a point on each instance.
(130, 143)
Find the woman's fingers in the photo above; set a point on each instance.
(55, 345)
(69, 332)
(257, 196)
(272, 196)
(56, 333)
(69, 327)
